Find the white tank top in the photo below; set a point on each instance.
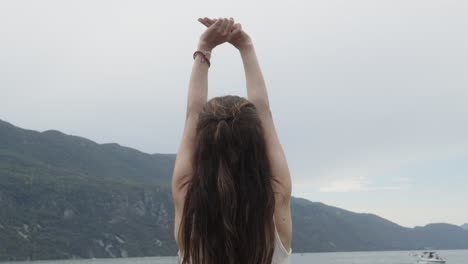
(280, 254)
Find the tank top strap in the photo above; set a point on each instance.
(280, 254)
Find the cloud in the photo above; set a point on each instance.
(345, 185)
(361, 183)
(382, 170)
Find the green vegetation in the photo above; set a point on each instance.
(64, 196)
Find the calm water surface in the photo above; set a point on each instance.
(381, 257)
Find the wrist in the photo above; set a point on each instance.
(246, 48)
(203, 46)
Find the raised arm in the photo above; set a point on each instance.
(215, 35)
(196, 98)
(257, 94)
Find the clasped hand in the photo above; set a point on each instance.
(223, 30)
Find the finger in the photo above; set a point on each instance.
(216, 25)
(223, 25)
(229, 26)
(202, 21)
(205, 22)
(210, 21)
(236, 28)
(235, 32)
(225, 31)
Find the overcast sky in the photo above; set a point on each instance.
(370, 98)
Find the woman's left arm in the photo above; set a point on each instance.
(197, 97)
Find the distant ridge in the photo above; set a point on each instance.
(64, 196)
(82, 156)
(465, 226)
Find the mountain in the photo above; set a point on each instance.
(64, 196)
(52, 150)
(319, 227)
(465, 226)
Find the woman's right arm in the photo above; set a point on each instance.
(257, 94)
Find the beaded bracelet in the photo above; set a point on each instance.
(204, 56)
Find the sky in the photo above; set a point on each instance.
(369, 97)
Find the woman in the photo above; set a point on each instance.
(231, 182)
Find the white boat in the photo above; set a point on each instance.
(430, 257)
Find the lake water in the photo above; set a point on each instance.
(381, 257)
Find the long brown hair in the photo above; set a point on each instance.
(229, 205)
